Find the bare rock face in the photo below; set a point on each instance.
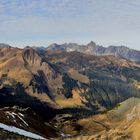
(93, 49)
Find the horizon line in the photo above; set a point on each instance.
(62, 43)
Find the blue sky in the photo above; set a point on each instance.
(41, 22)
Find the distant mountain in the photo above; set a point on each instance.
(94, 49)
(3, 45)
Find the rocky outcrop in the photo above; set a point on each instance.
(93, 49)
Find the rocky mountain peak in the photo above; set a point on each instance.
(3, 45)
(91, 44)
(93, 49)
(31, 55)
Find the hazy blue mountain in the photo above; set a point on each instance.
(93, 49)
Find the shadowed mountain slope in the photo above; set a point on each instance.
(70, 79)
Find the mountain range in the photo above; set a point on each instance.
(93, 49)
(63, 84)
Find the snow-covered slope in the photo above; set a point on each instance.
(21, 132)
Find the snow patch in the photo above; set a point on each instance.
(11, 114)
(22, 120)
(21, 114)
(14, 115)
(21, 132)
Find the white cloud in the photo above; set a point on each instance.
(103, 21)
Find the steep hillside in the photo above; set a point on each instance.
(69, 79)
(104, 80)
(120, 123)
(24, 123)
(59, 90)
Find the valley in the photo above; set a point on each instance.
(69, 70)
(59, 94)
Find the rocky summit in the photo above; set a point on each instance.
(93, 49)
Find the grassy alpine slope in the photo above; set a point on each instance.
(64, 88)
